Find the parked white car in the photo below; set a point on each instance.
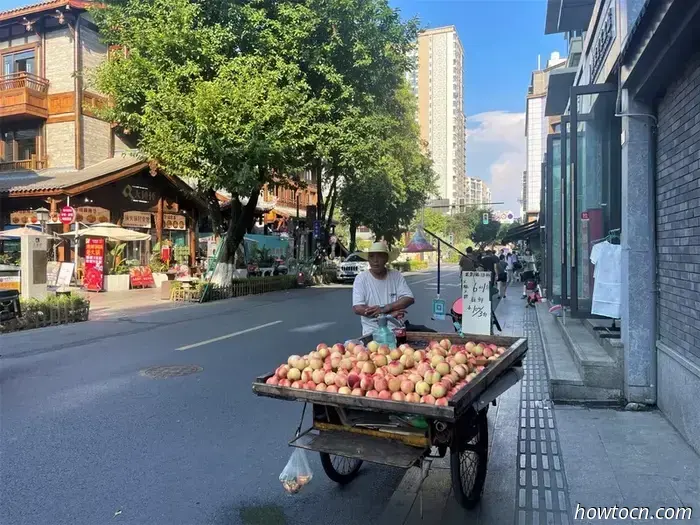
(351, 266)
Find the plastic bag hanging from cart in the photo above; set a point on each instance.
(297, 472)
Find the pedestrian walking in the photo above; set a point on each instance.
(529, 269)
(502, 276)
(509, 269)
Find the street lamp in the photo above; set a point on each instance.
(42, 215)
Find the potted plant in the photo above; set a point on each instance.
(158, 266)
(117, 277)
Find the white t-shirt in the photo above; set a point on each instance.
(607, 284)
(369, 291)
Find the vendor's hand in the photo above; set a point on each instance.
(373, 311)
(398, 314)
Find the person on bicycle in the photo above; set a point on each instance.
(379, 290)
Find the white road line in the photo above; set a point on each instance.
(228, 336)
(312, 327)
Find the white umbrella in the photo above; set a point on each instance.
(24, 231)
(110, 231)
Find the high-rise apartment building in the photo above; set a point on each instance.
(477, 193)
(537, 126)
(437, 83)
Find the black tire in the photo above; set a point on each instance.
(340, 469)
(468, 463)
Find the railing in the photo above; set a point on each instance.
(25, 80)
(32, 164)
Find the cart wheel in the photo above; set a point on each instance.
(340, 469)
(468, 464)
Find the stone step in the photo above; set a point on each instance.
(566, 383)
(613, 345)
(594, 364)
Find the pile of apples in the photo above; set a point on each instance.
(431, 376)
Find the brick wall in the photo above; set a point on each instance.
(96, 139)
(678, 212)
(60, 144)
(59, 61)
(94, 52)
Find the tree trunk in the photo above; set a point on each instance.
(214, 208)
(317, 170)
(333, 197)
(353, 236)
(241, 222)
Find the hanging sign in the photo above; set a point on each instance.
(136, 219)
(476, 303)
(92, 215)
(94, 264)
(439, 309)
(25, 217)
(174, 222)
(10, 282)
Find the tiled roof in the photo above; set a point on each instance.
(34, 182)
(42, 6)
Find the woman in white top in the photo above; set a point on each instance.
(528, 262)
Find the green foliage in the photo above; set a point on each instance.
(433, 221)
(411, 265)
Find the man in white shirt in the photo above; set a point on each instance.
(379, 290)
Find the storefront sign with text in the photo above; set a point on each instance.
(139, 194)
(94, 264)
(92, 215)
(22, 218)
(174, 222)
(136, 219)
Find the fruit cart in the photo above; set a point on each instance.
(349, 429)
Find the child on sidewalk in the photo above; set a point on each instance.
(533, 290)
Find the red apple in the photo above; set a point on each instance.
(272, 380)
(285, 382)
(338, 348)
(353, 380)
(441, 402)
(366, 382)
(282, 371)
(384, 394)
(427, 400)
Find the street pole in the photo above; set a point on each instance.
(438, 275)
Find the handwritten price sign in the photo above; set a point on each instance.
(476, 303)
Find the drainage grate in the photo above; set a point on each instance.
(165, 372)
(542, 488)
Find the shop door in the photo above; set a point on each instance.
(594, 196)
(564, 253)
(553, 219)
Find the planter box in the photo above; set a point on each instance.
(48, 317)
(116, 283)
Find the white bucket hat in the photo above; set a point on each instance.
(379, 247)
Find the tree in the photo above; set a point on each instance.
(433, 221)
(485, 234)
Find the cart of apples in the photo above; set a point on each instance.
(430, 375)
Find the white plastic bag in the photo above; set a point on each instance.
(297, 472)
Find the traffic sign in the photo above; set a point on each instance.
(67, 215)
(485, 218)
(439, 309)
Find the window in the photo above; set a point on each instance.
(19, 144)
(20, 62)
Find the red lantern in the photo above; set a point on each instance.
(165, 253)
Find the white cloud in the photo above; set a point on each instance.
(496, 153)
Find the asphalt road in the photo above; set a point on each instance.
(87, 439)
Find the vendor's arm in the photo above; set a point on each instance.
(404, 294)
(360, 299)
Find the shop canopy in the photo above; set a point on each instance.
(24, 231)
(110, 231)
(520, 233)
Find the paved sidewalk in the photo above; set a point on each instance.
(544, 460)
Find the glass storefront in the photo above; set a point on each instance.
(584, 195)
(596, 186)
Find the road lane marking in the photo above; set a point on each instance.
(313, 327)
(228, 336)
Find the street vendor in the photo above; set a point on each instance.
(379, 290)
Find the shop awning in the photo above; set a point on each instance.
(520, 233)
(567, 15)
(558, 91)
(110, 231)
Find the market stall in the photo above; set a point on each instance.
(394, 406)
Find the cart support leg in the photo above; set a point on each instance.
(425, 465)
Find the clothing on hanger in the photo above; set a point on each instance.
(607, 283)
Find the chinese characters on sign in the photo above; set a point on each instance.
(94, 264)
(136, 219)
(92, 215)
(476, 303)
(174, 222)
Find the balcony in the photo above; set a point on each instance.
(33, 164)
(23, 94)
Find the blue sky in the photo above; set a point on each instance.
(501, 40)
